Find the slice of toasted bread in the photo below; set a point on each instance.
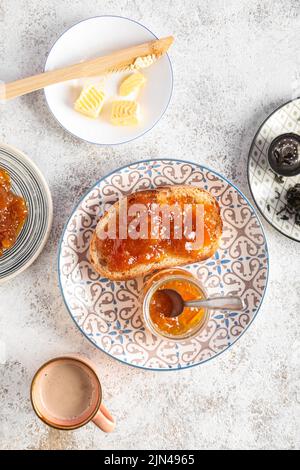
(126, 259)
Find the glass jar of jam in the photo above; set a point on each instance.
(155, 306)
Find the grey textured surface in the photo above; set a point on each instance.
(234, 62)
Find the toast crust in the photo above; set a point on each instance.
(183, 194)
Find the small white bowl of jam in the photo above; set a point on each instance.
(156, 305)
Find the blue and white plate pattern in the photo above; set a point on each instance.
(109, 313)
(27, 181)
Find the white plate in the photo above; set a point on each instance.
(109, 313)
(96, 37)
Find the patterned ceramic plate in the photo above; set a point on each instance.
(28, 182)
(269, 191)
(109, 313)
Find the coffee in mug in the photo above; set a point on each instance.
(66, 394)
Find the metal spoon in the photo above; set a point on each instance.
(217, 303)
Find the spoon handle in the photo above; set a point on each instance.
(218, 303)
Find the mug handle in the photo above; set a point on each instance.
(104, 419)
